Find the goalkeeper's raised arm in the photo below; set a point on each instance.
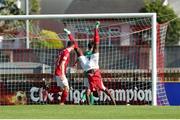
(96, 38)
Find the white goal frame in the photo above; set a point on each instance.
(112, 15)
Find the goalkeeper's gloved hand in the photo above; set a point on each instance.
(97, 24)
(67, 31)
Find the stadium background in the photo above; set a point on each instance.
(171, 52)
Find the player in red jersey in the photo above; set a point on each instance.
(91, 66)
(60, 71)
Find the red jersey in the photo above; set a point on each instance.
(62, 62)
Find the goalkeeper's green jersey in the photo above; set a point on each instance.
(88, 54)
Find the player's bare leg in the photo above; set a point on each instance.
(109, 94)
(88, 92)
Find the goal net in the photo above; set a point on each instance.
(126, 59)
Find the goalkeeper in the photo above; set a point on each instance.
(92, 66)
(88, 54)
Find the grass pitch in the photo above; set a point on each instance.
(88, 112)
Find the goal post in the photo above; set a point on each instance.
(154, 59)
(125, 36)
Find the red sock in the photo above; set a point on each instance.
(96, 36)
(71, 38)
(64, 96)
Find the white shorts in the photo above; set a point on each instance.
(87, 64)
(62, 81)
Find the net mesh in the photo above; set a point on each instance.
(125, 61)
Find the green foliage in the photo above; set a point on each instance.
(35, 6)
(10, 8)
(165, 14)
(48, 40)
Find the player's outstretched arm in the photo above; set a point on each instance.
(71, 38)
(97, 24)
(67, 31)
(96, 37)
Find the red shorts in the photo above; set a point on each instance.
(95, 81)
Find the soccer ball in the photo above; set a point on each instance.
(20, 98)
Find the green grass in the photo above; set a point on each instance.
(88, 112)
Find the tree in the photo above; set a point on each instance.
(49, 39)
(9, 7)
(35, 6)
(165, 14)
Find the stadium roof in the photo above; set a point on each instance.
(104, 6)
(97, 6)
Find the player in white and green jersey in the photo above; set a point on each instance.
(88, 54)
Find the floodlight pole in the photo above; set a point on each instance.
(27, 24)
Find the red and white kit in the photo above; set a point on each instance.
(61, 65)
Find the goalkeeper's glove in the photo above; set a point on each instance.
(67, 31)
(97, 24)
